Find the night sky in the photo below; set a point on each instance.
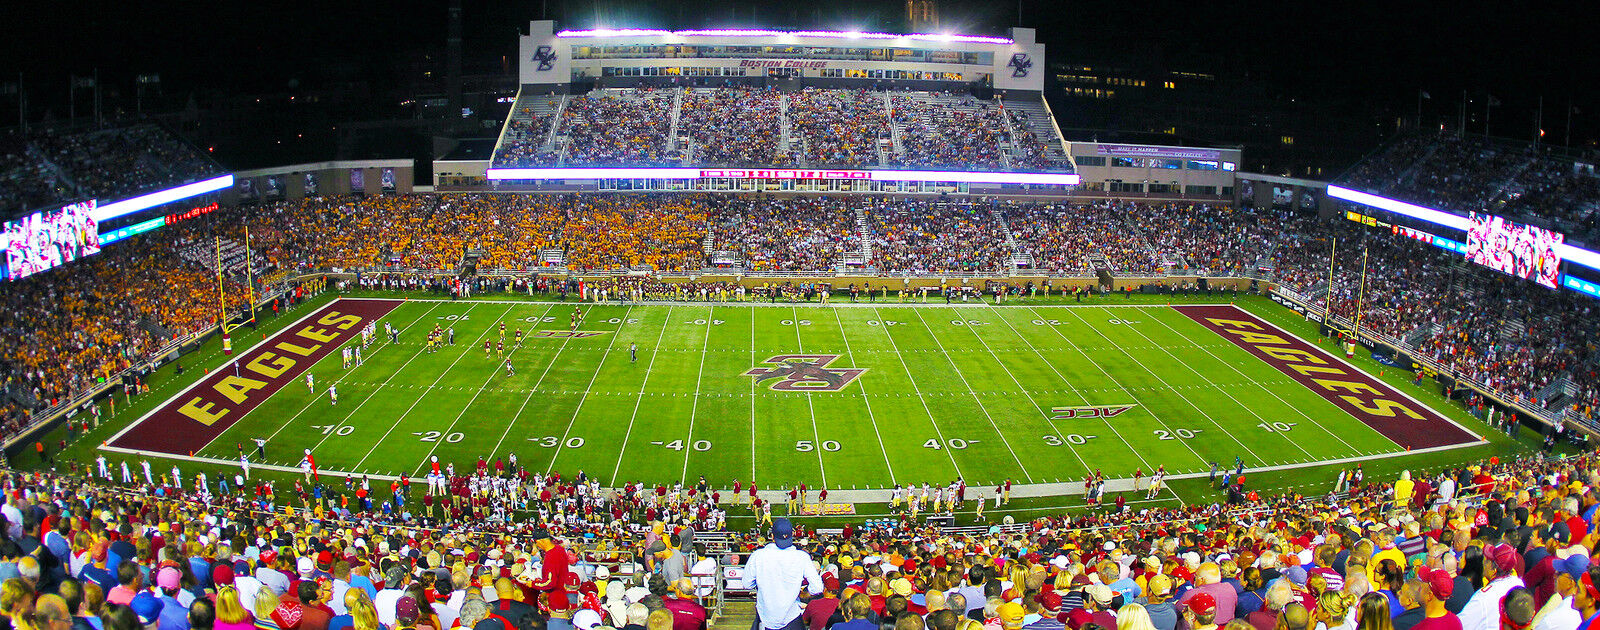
(1383, 51)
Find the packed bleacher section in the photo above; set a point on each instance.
(1466, 174)
(1492, 545)
(734, 127)
(51, 166)
(1080, 239)
(930, 237)
(617, 127)
(810, 127)
(797, 234)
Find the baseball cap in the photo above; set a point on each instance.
(405, 609)
(1574, 565)
(306, 566)
(1101, 593)
(269, 556)
(147, 607)
(1160, 585)
(1203, 604)
(168, 578)
(1010, 613)
(586, 619)
(1051, 603)
(783, 533)
(1438, 581)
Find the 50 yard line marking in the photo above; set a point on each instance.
(574, 419)
(654, 352)
(695, 405)
(866, 400)
(981, 407)
(414, 404)
(815, 434)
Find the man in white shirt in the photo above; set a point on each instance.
(394, 586)
(776, 572)
(1482, 612)
(1558, 613)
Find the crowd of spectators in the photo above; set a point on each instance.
(734, 126)
(926, 236)
(794, 234)
(840, 127)
(617, 127)
(525, 138)
(949, 131)
(1467, 174)
(1069, 238)
(52, 166)
(1504, 545)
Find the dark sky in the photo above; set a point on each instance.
(1385, 51)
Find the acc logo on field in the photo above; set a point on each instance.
(568, 334)
(805, 373)
(1103, 411)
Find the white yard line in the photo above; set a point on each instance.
(397, 421)
(695, 405)
(482, 388)
(816, 434)
(867, 401)
(513, 420)
(1242, 448)
(574, 419)
(666, 321)
(316, 399)
(1043, 410)
(1272, 391)
(1124, 388)
(752, 399)
(981, 407)
(1144, 464)
(921, 398)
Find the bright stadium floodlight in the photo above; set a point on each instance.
(145, 202)
(1400, 207)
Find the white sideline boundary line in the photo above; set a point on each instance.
(1402, 392)
(864, 495)
(198, 381)
(830, 304)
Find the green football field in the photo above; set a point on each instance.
(929, 393)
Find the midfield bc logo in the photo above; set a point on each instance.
(805, 373)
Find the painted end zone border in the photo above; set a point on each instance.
(1399, 417)
(194, 417)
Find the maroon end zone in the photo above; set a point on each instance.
(1373, 402)
(190, 420)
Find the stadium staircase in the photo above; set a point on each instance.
(736, 615)
(864, 230)
(1512, 329)
(1038, 121)
(1416, 336)
(553, 256)
(677, 110)
(1020, 258)
(895, 133)
(886, 156)
(785, 144)
(1559, 394)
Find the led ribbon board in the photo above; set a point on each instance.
(1059, 179)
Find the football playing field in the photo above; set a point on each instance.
(848, 396)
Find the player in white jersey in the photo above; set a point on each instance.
(311, 383)
(333, 394)
(105, 469)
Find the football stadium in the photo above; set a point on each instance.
(672, 323)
